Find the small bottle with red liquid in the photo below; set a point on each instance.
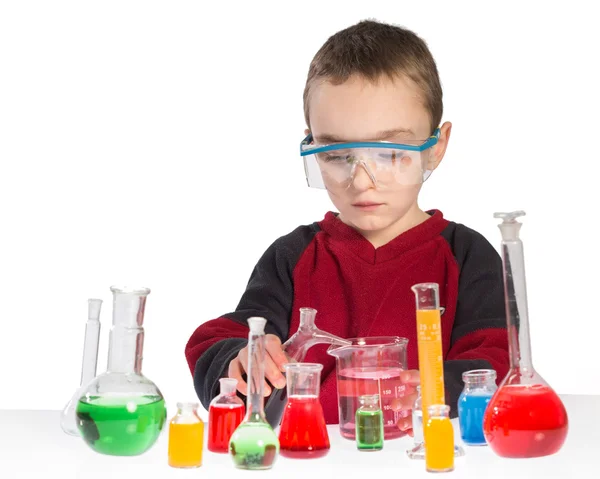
(303, 432)
(525, 417)
(225, 413)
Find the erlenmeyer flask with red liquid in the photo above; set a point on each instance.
(303, 431)
(525, 417)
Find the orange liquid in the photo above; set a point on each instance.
(431, 365)
(439, 444)
(186, 443)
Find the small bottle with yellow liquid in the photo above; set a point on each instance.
(186, 437)
(439, 439)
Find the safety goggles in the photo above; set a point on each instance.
(387, 164)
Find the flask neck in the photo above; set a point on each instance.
(516, 307)
(256, 374)
(127, 334)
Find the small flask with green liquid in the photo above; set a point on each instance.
(369, 424)
(121, 412)
(254, 444)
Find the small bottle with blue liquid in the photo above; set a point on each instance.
(480, 386)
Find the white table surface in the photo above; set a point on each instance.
(32, 444)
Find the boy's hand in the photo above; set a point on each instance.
(411, 380)
(275, 358)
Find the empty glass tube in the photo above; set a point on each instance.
(68, 419)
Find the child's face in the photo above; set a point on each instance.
(359, 110)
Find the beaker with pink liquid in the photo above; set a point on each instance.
(371, 365)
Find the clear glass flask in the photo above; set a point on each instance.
(295, 348)
(369, 424)
(121, 412)
(254, 444)
(68, 419)
(480, 386)
(186, 437)
(525, 417)
(225, 413)
(303, 432)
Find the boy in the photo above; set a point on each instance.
(377, 83)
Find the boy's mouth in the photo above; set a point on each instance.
(366, 205)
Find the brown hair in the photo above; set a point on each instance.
(372, 49)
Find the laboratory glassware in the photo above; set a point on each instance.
(295, 348)
(121, 412)
(417, 451)
(439, 439)
(369, 424)
(225, 413)
(68, 419)
(186, 437)
(480, 386)
(525, 417)
(431, 364)
(303, 431)
(370, 365)
(254, 444)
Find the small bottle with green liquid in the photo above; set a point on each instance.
(369, 424)
(254, 444)
(121, 412)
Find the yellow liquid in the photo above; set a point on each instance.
(431, 361)
(439, 444)
(186, 443)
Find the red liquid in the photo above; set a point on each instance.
(223, 420)
(303, 432)
(525, 421)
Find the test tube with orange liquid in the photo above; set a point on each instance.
(440, 456)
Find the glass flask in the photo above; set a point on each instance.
(439, 438)
(295, 348)
(225, 413)
(186, 437)
(525, 417)
(368, 366)
(431, 364)
(121, 412)
(68, 419)
(480, 386)
(254, 444)
(369, 424)
(418, 449)
(303, 432)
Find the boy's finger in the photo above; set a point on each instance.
(273, 348)
(412, 377)
(404, 402)
(235, 372)
(405, 424)
(273, 374)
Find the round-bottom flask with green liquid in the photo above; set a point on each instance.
(121, 412)
(254, 444)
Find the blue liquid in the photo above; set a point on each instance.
(471, 408)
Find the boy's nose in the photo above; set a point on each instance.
(362, 178)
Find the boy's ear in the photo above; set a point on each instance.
(439, 150)
(306, 132)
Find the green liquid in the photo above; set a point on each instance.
(254, 445)
(369, 430)
(121, 426)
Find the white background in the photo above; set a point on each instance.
(156, 143)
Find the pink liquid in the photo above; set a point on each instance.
(355, 382)
(303, 432)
